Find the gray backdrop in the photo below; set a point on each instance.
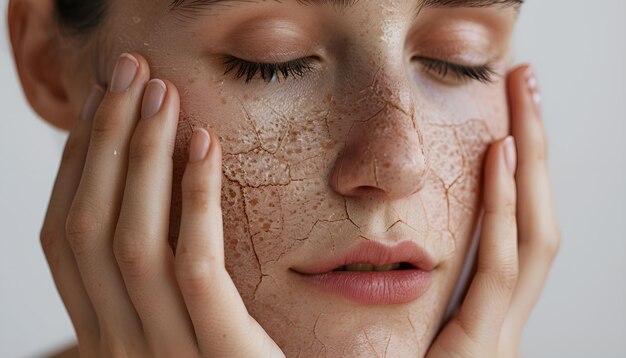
(579, 48)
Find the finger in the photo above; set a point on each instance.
(488, 298)
(222, 324)
(94, 213)
(56, 248)
(140, 245)
(538, 228)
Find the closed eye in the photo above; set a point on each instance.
(248, 70)
(446, 70)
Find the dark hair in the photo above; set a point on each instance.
(80, 17)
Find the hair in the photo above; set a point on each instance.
(80, 17)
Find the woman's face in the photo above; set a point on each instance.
(370, 137)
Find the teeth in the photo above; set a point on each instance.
(359, 267)
(368, 267)
(388, 267)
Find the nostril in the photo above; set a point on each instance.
(382, 158)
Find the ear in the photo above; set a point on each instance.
(39, 61)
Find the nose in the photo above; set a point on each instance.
(384, 153)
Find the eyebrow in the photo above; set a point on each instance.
(201, 5)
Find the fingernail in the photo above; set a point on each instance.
(92, 103)
(124, 73)
(153, 98)
(533, 88)
(199, 147)
(510, 154)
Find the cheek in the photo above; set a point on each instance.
(452, 196)
(456, 137)
(277, 158)
(241, 258)
(274, 162)
(456, 140)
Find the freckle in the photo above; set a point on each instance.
(266, 226)
(224, 100)
(254, 202)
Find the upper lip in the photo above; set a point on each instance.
(374, 253)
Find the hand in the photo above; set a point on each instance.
(105, 232)
(520, 237)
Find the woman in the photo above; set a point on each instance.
(331, 161)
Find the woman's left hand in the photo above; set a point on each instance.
(519, 240)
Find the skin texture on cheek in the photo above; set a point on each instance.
(277, 203)
(279, 208)
(287, 158)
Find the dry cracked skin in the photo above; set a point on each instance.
(362, 147)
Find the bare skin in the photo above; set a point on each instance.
(337, 169)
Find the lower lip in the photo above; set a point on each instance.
(374, 287)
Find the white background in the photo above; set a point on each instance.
(579, 48)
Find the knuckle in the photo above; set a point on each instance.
(509, 212)
(130, 248)
(50, 240)
(105, 128)
(143, 146)
(502, 275)
(502, 280)
(509, 275)
(79, 229)
(110, 122)
(197, 198)
(506, 276)
(192, 272)
(550, 245)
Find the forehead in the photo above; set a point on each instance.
(195, 8)
(215, 12)
(341, 4)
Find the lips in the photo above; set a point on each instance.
(373, 273)
(374, 253)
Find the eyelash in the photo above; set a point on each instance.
(482, 73)
(248, 70)
(299, 67)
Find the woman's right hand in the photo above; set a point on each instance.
(105, 232)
